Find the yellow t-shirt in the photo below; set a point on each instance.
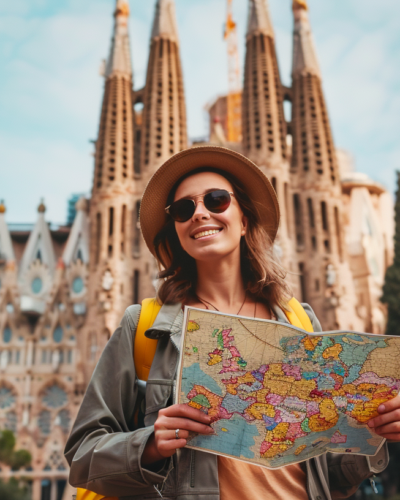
(243, 481)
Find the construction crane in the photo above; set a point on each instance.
(234, 98)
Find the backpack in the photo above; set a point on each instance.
(145, 349)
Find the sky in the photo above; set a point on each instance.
(51, 89)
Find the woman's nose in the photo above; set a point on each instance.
(200, 213)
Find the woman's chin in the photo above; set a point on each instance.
(210, 254)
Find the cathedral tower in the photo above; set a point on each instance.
(263, 121)
(264, 126)
(164, 115)
(112, 205)
(316, 186)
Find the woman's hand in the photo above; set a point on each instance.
(387, 424)
(163, 443)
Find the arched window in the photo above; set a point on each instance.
(298, 218)
(78, 285)
(37, 286)
(11, 421)
(7, 335)
(98, 237)
(44, 422)
(93, 347)
(136, 231)
(64, 421)
(123, 231)
(58, 334)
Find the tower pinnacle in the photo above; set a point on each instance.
(300, 4)
(165, 21)
(122, 8)
(119, 61)
(164, 115)
(304, 54)
(259, 19)
(264, 126)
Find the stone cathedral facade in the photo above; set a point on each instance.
(63, 290)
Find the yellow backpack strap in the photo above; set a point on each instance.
(143, 355)
(298, 317)
(145, 348)
(82, 494)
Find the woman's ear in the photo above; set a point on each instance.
(244, 225)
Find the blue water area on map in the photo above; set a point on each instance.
(194, 375)
(354, 372)
(356, 438)
(236, 439)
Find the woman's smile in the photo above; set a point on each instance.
(206, 232)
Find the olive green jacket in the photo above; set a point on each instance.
(104, 451)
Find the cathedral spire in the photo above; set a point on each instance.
(39, 246)
(6, 248)
(304, 54)
(163, 130)
(315, 175)
(119, 61)
(164, 24)
(259, 19)
(264, 126)
(112, 200)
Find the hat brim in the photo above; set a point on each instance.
(251, 178)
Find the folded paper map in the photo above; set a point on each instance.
(278, 395)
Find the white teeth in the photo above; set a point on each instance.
(206, 233)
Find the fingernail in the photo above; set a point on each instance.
(381, 408)
(211, 431)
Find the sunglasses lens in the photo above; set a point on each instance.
(217, 201)
(182, 210)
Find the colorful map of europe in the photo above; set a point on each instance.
(278, 395)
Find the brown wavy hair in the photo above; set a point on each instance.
(264, 278)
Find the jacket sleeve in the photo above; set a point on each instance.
(347, 472)
(103, 450)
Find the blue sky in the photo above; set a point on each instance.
(50, 89)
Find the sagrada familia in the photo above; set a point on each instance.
(63, 291)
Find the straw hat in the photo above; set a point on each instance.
(250, 177)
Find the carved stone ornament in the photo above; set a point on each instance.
(107, 281)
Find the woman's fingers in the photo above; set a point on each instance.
(170, 434)
(186, 411)
(392, 428)
(164, 422)
(181, 417)
(385, 418)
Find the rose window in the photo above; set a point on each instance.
(7, 398)
(54, 397)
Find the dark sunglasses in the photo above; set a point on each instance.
(215, 201)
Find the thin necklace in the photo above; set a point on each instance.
(205, 302)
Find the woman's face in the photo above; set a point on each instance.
(228, 227)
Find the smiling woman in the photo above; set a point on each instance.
(209, 216)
